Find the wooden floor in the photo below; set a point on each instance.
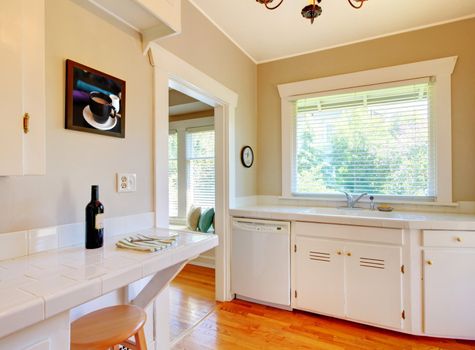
(191, 298)
(243, 325)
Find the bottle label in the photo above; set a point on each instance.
(99, 221)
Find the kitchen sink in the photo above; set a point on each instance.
(355, 212)
(354, 208)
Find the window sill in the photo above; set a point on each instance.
(336, 201)
(184, 228)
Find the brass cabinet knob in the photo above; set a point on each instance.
(429, 262)
(339, 252)
(349, 253)
(458, 239)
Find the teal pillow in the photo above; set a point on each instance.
(206, 220)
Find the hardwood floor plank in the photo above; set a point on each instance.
(191, 298)
(240, 325)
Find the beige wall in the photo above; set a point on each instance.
(455, 39)
(76, 160)
(208, 50)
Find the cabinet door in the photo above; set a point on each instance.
(319, 276)
(374, 284)
(11, 143)
(34, 87)
(449, 292)
(22, 88)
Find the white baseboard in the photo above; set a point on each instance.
(251, 300)
(204, 261)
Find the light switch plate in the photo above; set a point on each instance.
(126, 182)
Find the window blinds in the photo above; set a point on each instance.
(173, 173)
(376, 141)
(200, 166)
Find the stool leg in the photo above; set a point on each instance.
(140, 340)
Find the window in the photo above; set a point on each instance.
(376, 141)
(384, 131)
(200, 166)
(191, 164)
(173, 173)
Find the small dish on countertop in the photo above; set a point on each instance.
(385, 207)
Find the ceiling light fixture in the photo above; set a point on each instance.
(310, 11)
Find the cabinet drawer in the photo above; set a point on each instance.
(347, 232)
(463, 239)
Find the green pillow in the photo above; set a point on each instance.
(206, 220)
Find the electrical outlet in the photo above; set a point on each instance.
(126, 182)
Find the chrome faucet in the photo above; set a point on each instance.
(351, 201)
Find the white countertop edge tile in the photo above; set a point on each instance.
(71, 297)
(21, 316)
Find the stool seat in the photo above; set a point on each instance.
(107, 327)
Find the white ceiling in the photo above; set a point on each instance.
(269, 35)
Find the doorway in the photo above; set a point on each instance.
(192, 198)
(170, 71)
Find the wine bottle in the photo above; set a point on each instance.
(94, 220)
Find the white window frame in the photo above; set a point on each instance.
(440, 70)
(181, 127)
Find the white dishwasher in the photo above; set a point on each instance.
(260, 261)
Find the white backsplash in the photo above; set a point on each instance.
(463, 207)
(21, 243)
(13, 244)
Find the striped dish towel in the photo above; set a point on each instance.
(145, 243)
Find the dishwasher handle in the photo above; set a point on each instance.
(260, 227)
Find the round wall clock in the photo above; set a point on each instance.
(247, 156)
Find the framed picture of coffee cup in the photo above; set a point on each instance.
(95, 101)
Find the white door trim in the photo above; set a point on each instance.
(172, 71)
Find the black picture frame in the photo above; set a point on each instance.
(245, 151)
(81, 81)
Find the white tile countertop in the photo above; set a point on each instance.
(364, 217)
(36, 287)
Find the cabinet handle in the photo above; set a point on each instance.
(26, 123)
(429, 262)
(458, 239)
(339, 252)
(349, 253)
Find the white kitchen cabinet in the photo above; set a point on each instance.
(50, 334)
(449, 292)
(355, 280)
(22, 71)
(153, 19)
(374, 283)
(319, 276)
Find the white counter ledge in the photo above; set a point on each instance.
(36, 287)
(365, 217)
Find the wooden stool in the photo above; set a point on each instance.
(108, 328)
